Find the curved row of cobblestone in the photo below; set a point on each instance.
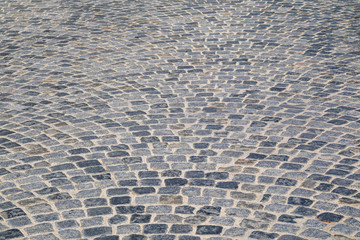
(179, 120)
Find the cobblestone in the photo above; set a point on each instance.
(179, 120)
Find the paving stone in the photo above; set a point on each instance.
(168, 199)
(70, 233)
(288, 228)
(163, 237)
(175, 182)
(168, 218)
(130, 209)
(315, 233)
(223, 203)
(235, 232)
(180, 228)
(39, 228)
(324, 187)
(344, 229)
(239, 117)
(330, 217)
(155, 228)
(227, 185)
(303, 211)
(159, 209)
(135, 236)
(91, 221)
(290, 237)
(137, 218)
(89, 232)
(67, 224)
(47, 217)
(7, 205)
(325, 206)
(288, 218)
(68, 204)
(315, 224)
(11, 233)
(253, 224)
(91, 202)
(20, 221)
(189, 238)
(285, 182)
(347, 210)
(344, 191)
(208, 229)
(49, 236)
(120, 200)
(246, 205)
(263, 235)
(195, 219)
(128, 229)
(242, 195)
(11, 213)
(299, 201)
(209, 211)
(107, 238)
(76, 213)
(264, 216)
(144, 190)
(99, 211)
(277, 207)
(184, 209)
(117, 219)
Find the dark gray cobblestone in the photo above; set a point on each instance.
(179, 120)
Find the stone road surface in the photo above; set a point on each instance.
(179, 120)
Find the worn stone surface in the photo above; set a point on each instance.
(181, 120)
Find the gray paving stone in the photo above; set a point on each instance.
(288, 228)
(90, 232)
(20, 221)
(315, 233)
(235, 232)
(347, 210)
(253, 224)
(315, 224)
(277, 207)
(46, 236)
(91, 221)
(344, 229)
(179, 120)
(39, 228)
(168, 218)
(70, 234)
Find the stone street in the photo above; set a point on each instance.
(179, 120)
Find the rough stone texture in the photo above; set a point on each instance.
(179, 120)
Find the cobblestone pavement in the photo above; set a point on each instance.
(179, 120)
